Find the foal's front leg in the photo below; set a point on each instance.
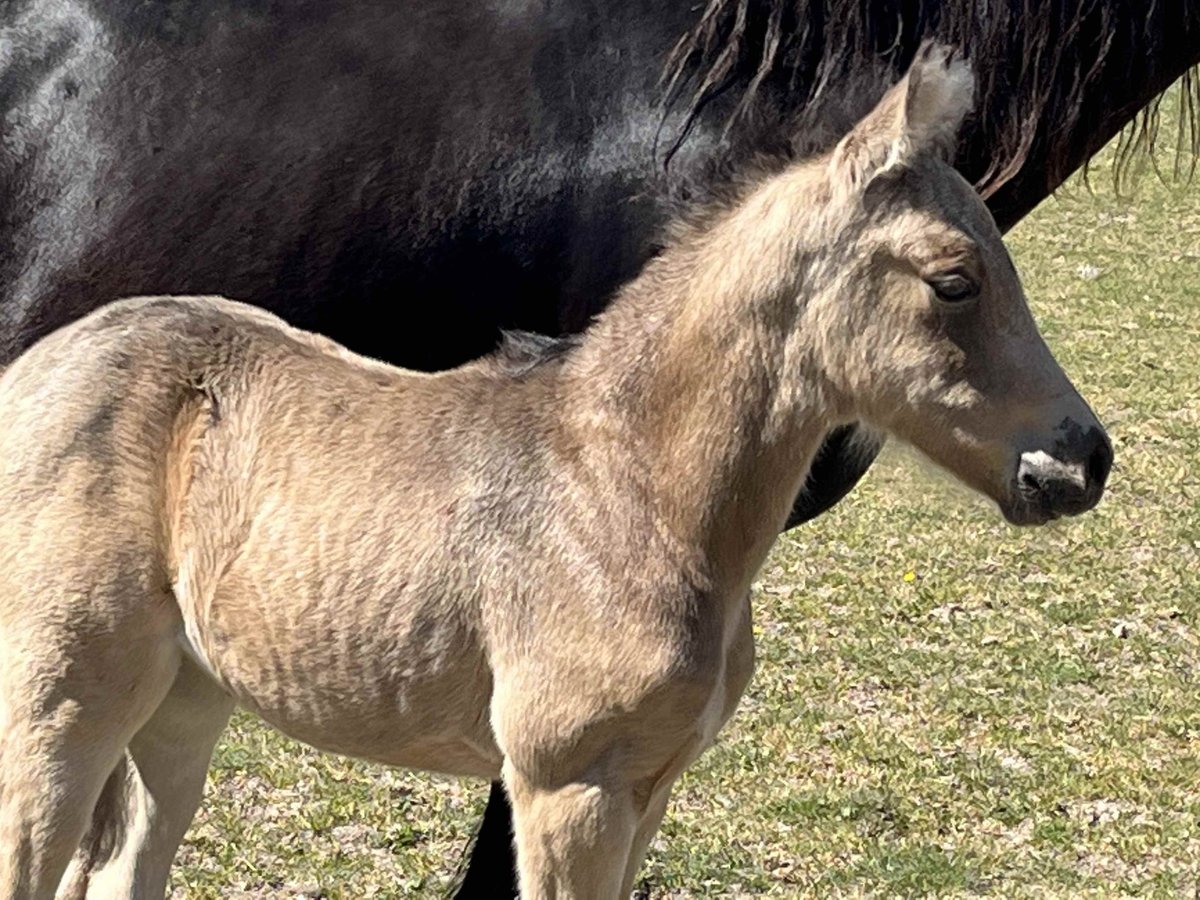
(573, 840)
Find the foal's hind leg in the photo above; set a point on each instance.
(62, 741)
(152, 796)
(87, 653)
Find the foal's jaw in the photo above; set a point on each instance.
(1026, 439)
(1036, 465)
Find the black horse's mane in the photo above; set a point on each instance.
(1034, 59)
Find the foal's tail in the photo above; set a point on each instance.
(107, 833)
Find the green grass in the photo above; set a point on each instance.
(944, 705)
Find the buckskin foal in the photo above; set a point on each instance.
(532, 565)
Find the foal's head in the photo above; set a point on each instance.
(927, 333)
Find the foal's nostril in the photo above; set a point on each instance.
(1066, 482)
(1057, 487)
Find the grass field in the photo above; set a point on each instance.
(944, 705)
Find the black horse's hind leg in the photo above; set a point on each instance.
(843, 459)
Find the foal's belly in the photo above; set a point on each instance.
(408, 688)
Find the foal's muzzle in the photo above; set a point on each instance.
(1066, 482)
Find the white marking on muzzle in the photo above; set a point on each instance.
(1048, 466)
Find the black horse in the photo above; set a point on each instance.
(410, 177)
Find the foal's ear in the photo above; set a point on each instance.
(921, 113)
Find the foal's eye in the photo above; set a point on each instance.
(953, 287)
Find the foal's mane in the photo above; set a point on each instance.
(1033, 61)
(522, 352)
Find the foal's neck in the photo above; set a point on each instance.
(697, 387)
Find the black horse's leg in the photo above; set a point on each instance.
(491, 870)
(843, 459)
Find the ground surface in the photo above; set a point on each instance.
(944, 705)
